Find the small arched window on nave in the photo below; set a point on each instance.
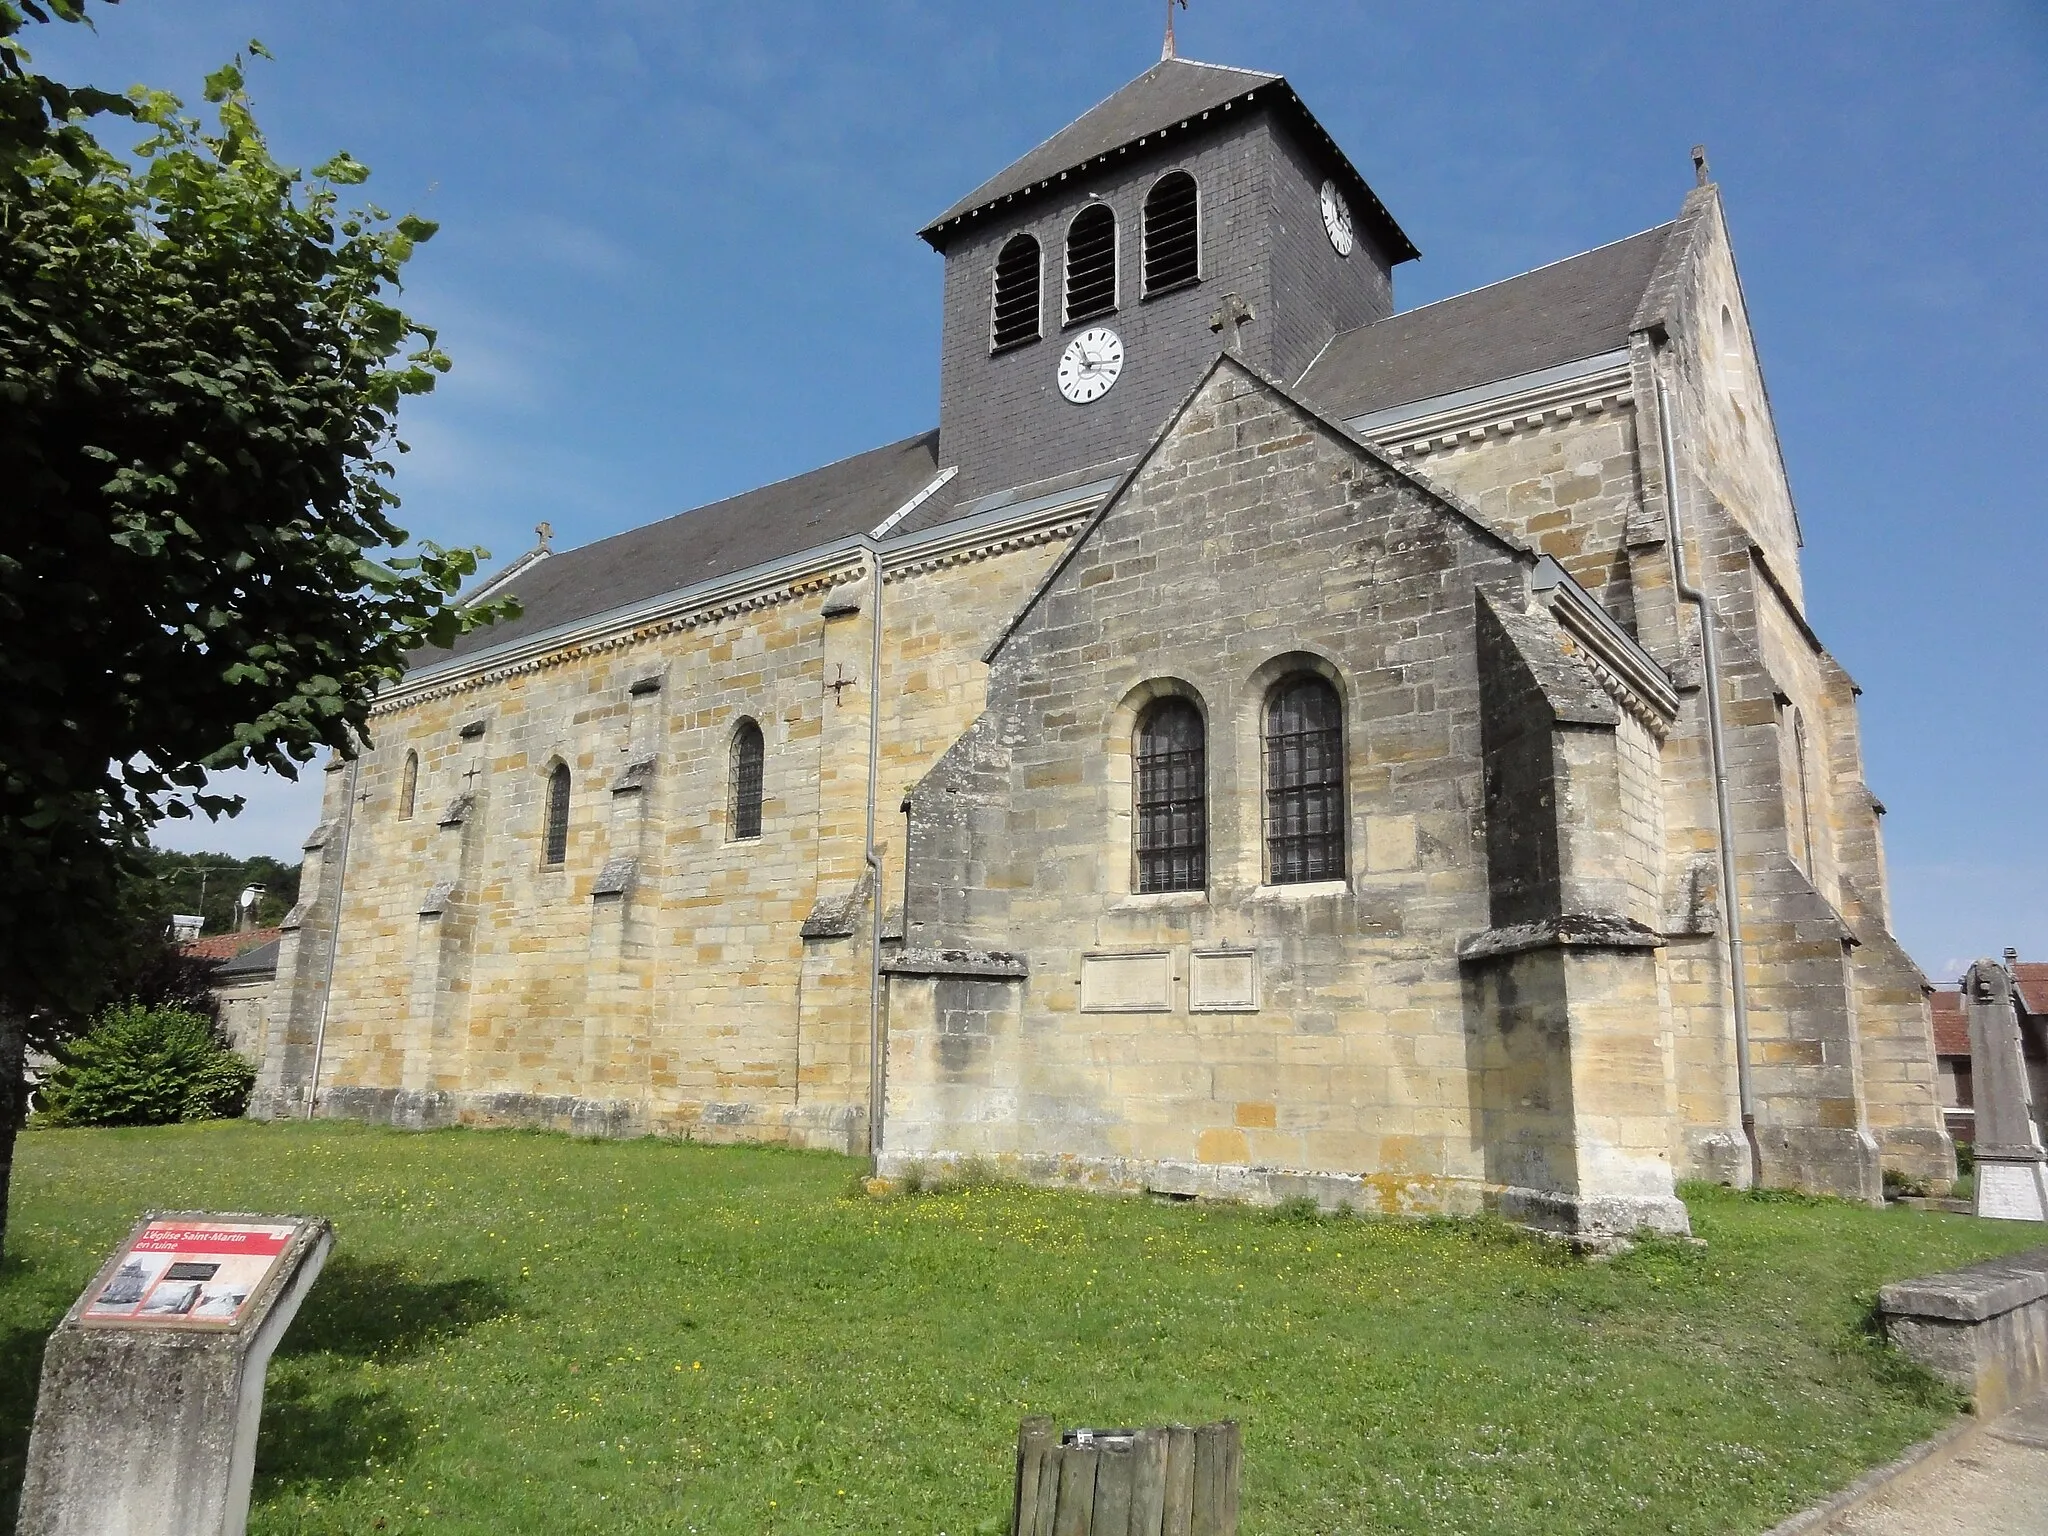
(557, 840)
(749, 760)
(1170, 803)
(1803, 787)
(1014, 305)
(409, 787)
(1304, 733)
(1173, 241)
(1091, 264)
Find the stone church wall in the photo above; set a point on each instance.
(659, 979)
(1247, 1038)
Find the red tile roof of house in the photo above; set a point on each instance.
(1951, 1024)
(2032, 978)
(225, 946)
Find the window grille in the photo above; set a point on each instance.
(1304, 783)
(1016, 296)
(1172, 809)
(558, 816)
(748, 756)
(409, 787)
(1091, 264)
(1173, 256)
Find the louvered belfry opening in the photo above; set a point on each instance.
(1172, 799)
(1304, 783)
(749, 754)
(1091, 264)
(1173, 256)
(1016, 297)
(558, 816)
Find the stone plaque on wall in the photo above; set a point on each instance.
(1224, 981)
(1134, 981)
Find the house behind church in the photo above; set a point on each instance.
(1260, 743)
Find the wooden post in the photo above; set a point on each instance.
(1077, 1491)
(1148, 1483)
(1048, 1490)
(1179, 1508)
(1034, 1436)
(1113, 1490)
(1216, 1464)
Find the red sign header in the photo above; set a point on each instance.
(191, 1237)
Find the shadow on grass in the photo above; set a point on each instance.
(373, 1310)
(320, 1431)
(315, 1435)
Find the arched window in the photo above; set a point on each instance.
(1091, 263)
(1015, 313)
(1173, 248)
(1734, 366)
(1304, 782)
(558, 817)
(409, 786)
(1805, 827)
(748, 755)
(1172, 799)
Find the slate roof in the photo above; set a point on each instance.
(1572, 309)
(250, 964)
(1167, 95)
(729, 536)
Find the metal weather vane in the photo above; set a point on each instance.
(1168, 52)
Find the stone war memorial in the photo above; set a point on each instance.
(1261, 743)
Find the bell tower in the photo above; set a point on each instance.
(1198, 209)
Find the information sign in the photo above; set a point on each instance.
(182, 1273)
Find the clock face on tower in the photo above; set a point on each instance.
(1337, 218)
(1091, 364)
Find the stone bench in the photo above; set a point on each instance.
(1983, 1329)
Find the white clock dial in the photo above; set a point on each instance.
(1091, 364)
(1337, 218)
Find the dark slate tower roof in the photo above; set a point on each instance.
(1570, 310)
(1171, 95)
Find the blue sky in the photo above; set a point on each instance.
(677, 259)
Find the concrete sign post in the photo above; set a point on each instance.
(153, 1384)
(2012, 1168)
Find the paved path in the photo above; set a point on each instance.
(1997, 1485)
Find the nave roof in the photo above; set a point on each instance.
(1563, 313)
(1577, 308)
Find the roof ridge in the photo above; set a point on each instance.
(1512, 277)
(1235, 69)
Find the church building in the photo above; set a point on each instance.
(1262, 743)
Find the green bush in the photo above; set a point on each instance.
(146, 1066)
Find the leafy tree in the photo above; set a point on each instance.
(200, 371)
(209, 884)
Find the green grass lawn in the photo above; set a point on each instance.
(525, 1333)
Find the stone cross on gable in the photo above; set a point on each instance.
(1169, 50)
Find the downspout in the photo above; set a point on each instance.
(1731, 905)
(877, 1061)
(348, 821)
